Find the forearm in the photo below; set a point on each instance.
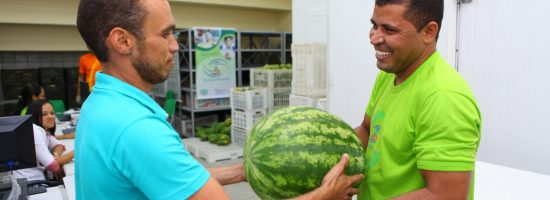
(363, 135)
(313, 195)
(65, 136)
(65, 158)
(423, 193)
(80, 79)
(229, 174)
(58, 151)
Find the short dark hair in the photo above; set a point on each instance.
(35, 109)
(96, 19)
(419, 12)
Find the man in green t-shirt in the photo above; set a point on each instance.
(422, 126)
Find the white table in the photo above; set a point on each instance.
(69, 168)
(499, 182)
(69, 146)
(69, 187)
(53, 193)
(59, 126)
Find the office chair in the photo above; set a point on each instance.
(58, 106)
(170, 95)
(170, 108)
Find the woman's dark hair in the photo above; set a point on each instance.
(35, 109)
(25, 98)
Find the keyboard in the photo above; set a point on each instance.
(36, 189)
(63, 117)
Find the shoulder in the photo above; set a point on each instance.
(442, 77)
(148, 128)
(39, 132)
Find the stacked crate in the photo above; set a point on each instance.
(277, 82)
(309, 84)
(248, 105)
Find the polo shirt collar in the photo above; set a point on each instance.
(111, 83)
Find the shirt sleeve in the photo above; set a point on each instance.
(52, 142)
(43, 155)
(151, 155)
(448, 132)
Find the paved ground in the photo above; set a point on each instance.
(239, 191)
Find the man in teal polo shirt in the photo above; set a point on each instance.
(124, 147)
(421, 128)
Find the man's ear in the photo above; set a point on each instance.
(430, 32)
(121, 41)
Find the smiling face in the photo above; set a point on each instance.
(154, 56)
(48, 116)
(399, 46)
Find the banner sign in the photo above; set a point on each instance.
(215, 61)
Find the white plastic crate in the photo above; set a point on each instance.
(246, 119)
(214, 153)
(297, 100)
(277, 98)
(191, 145)
(211, 152)
(206, 103)
(309, 70)
(322, 104)
(249, 100)
(238, 136)
(270, 78)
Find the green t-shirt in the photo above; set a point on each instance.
(430, 122)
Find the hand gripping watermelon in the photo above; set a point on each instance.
(289, 151)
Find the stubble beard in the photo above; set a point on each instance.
(150, 72)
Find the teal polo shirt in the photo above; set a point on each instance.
(125, 148)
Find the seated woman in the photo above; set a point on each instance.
(29, 93)
(49, 151)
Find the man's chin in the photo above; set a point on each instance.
(384, 67)
(160, 80)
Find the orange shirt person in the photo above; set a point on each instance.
(87, 68)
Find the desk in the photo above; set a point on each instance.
(53, 193)
(70, 187)
(69, 168)
(59, 126)
(69, 146)
(499, 182)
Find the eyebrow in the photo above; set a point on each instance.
(386, 26)
(169, 28)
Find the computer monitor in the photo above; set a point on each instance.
(16, 143)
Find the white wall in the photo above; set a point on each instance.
(504, 56)
(351, 62)
(309, 21)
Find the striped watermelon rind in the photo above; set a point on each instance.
(289, 151)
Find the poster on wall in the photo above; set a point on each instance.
(215, 51)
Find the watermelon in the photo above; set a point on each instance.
(223, 139)
(289, 151)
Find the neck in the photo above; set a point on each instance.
(400, 77)
(125, 71)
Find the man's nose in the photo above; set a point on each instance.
(375, 37)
